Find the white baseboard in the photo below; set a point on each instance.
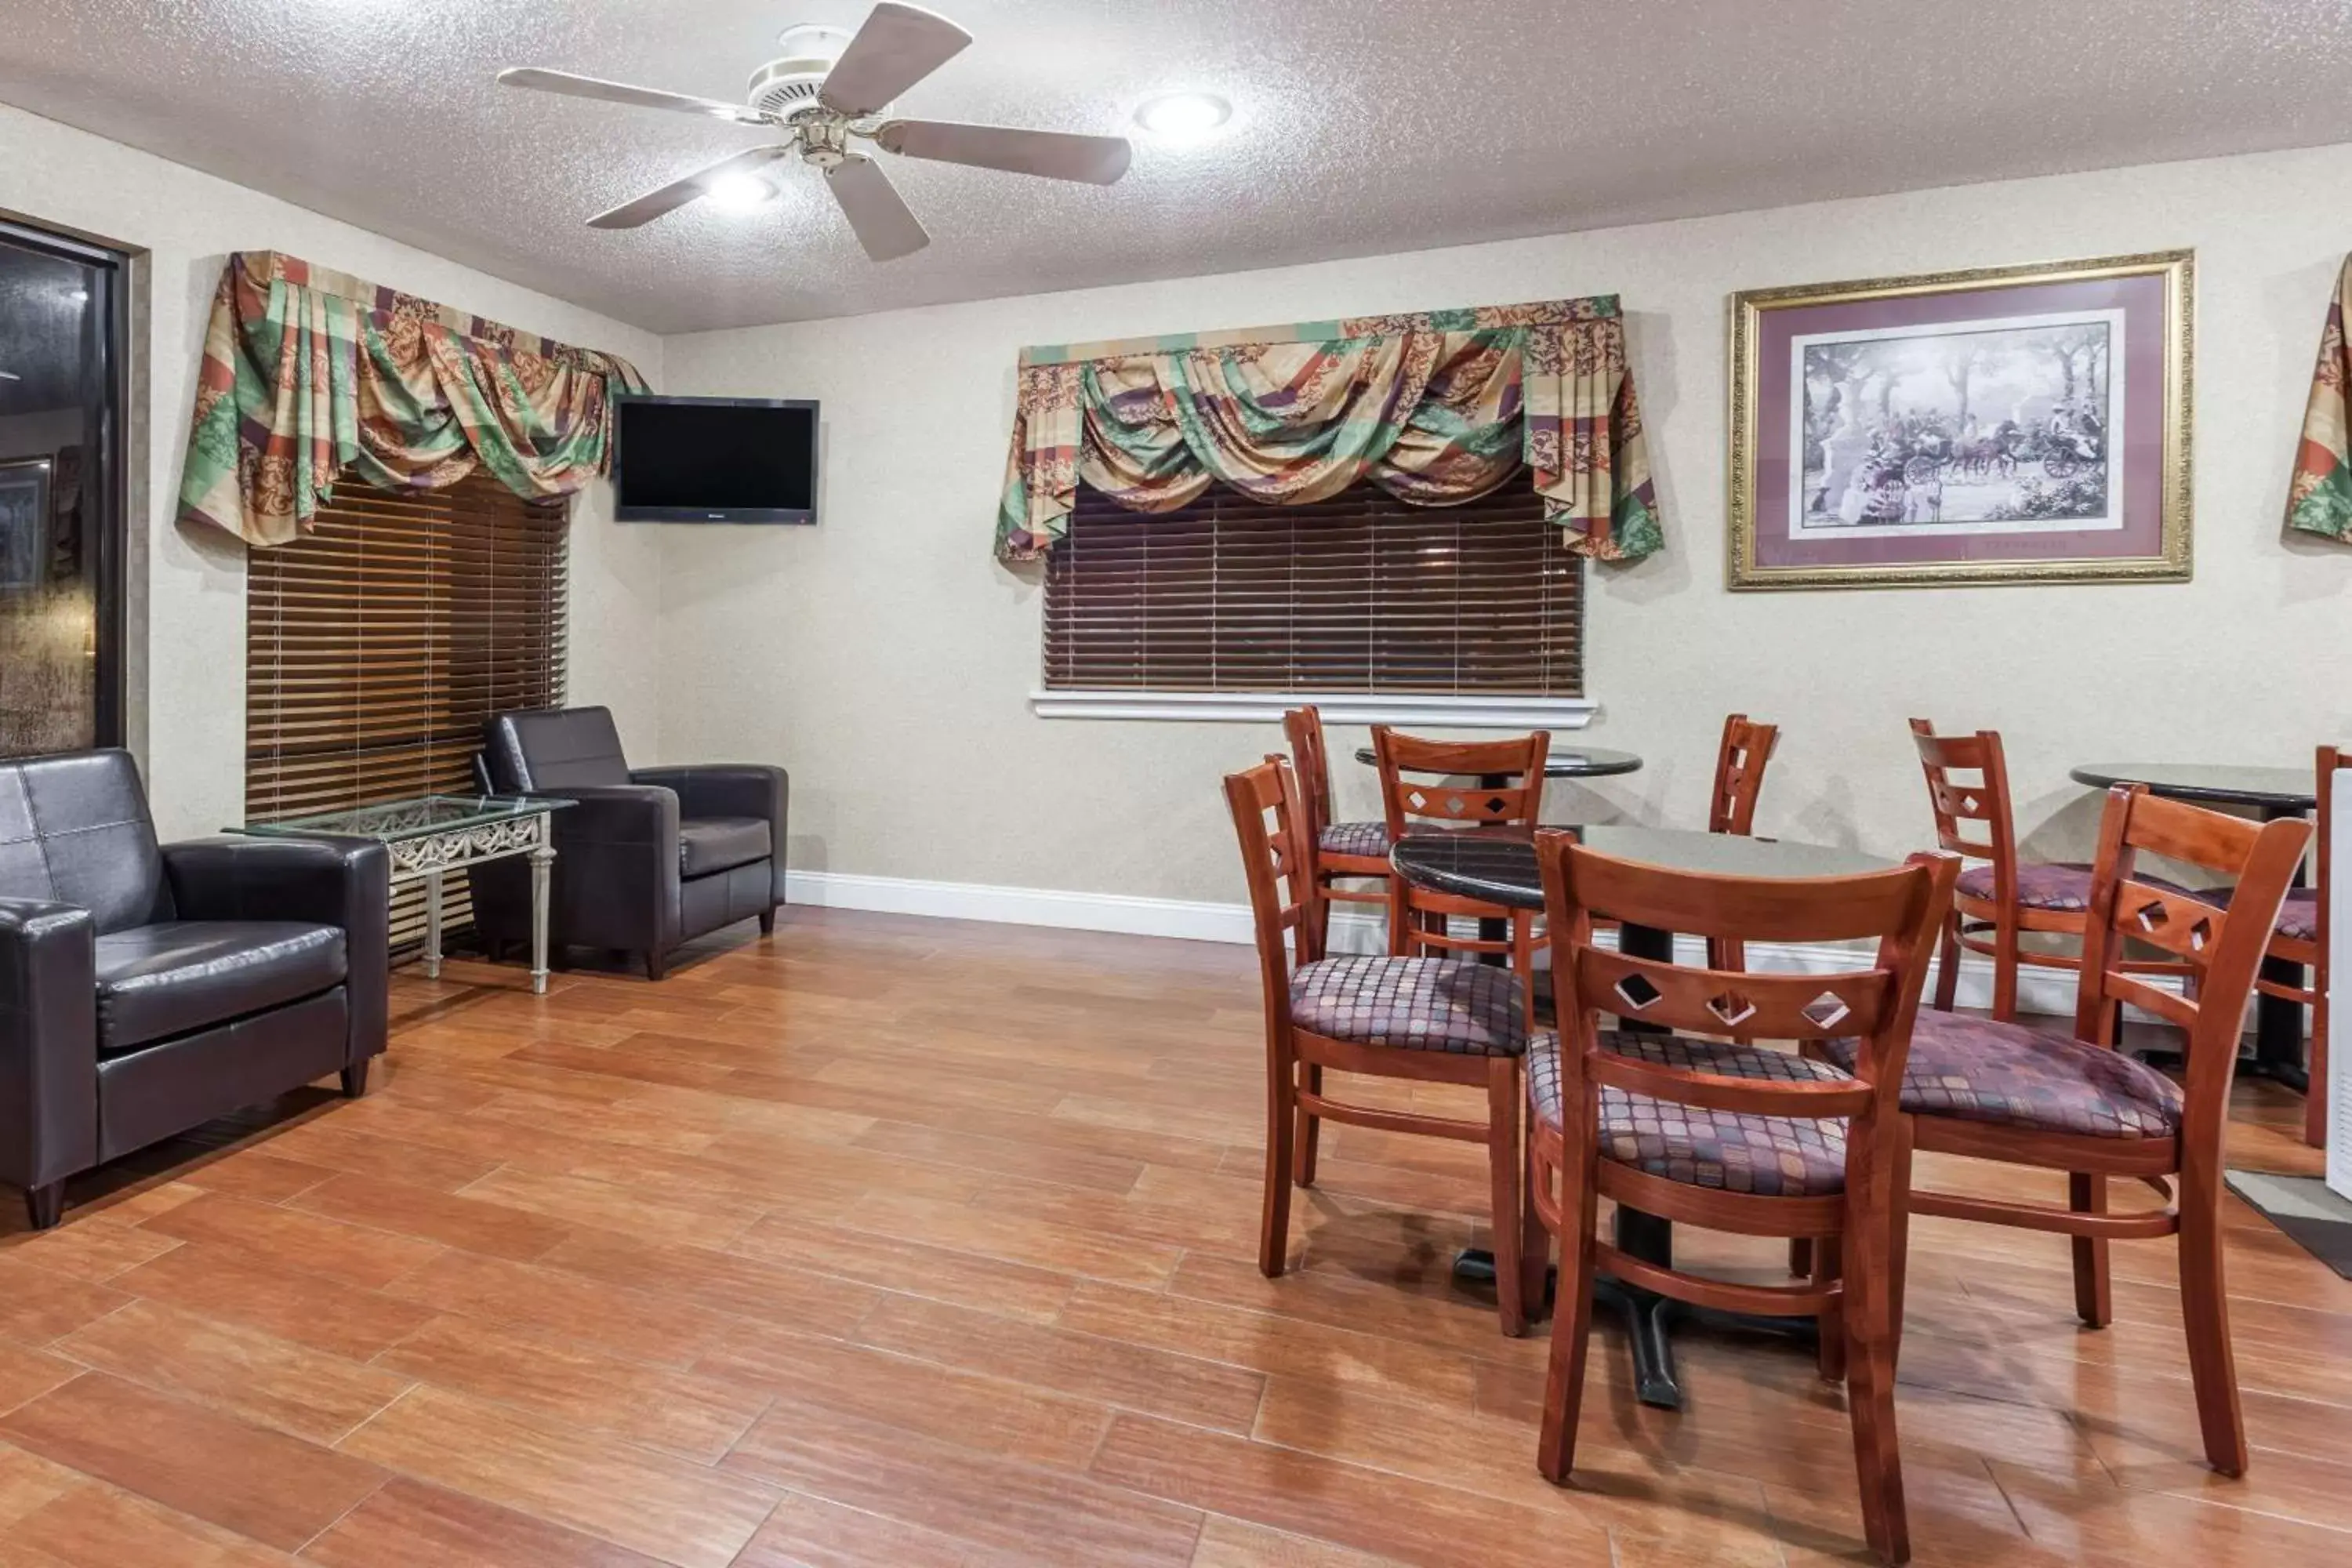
(2043, 991)
(1123, 912)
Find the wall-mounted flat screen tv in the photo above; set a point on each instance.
(714, 459)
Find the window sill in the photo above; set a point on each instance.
(1338, 708)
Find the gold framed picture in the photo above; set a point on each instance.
(2002, 425)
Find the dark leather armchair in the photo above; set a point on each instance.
(649, 858)
(145, 988)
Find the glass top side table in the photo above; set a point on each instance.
(431, 836)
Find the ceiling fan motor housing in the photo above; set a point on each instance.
(787, 86)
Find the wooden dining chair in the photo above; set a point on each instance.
(1344, 852)
(1725, 1135)
(1505, 791)
(1427, 1020)
(1998, 1090)
(1999, 903)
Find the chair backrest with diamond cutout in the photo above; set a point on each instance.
(1981, 794)
(1899, 909)
(1446, 782)
(2223, 940)
(1278, 866)
(1747, 747)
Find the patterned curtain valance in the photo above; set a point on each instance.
(1436, 408)
(2319, 498)
(309, 372)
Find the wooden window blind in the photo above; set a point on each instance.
(376, 646)
(1358, 593)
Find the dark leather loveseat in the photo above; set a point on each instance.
(649, 858)
(145, 988)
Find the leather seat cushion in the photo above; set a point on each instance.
(2063, 887)
(1771, 1156)
(1413, 1003)
(1367, 840)
(157, 981)
(708, 844)
(1977, 1069)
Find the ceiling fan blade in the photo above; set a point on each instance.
(572, 86)
(678, 192)
(872, 204)
(898, 47)
(1050, 155)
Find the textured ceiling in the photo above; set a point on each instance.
(1361, 126)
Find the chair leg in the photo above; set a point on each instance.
(1571, 1319)
(1503, 1160)
(1801, 1256)
(45, 1205)
(2205, 1311)
(1310, 1130)
(2315, 1101)
(1535, 1236)
(1899, 1247)
(355, 1079)
(768, 921)
(1947, 966)
(2004, 975)
(1829, 1352)
(1281, 1125)
(2094, 1292)
(656, 963)
(1870, 1395)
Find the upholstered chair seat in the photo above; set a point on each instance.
(2060, 886)
(1979, 1069)
(1363, 840)
(1414, 1004)
(1773, 1156)
(174, 977)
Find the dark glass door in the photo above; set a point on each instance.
(62, 320)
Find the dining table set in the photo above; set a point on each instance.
(1461, 848)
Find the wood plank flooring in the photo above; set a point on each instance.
(927, 1244)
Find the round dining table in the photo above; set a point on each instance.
(1498, 865)
(2269, 794)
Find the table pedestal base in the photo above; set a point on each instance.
(1650, 1319)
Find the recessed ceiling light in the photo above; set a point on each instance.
(1184, 116)
(740, 191)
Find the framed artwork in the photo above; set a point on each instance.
(24, 522)
(2006, 424)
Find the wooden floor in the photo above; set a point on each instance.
(912, 1243)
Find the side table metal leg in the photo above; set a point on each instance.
(433, 926)
(543, 860)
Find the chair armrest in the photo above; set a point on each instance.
(619, 813)
(49, 1041)
(724, 789)
(329, 879)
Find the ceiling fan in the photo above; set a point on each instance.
(829, 88)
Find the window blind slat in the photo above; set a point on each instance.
(1358, 593)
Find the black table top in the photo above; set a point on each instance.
(2275, 789)
(1569, 762)
(1499, 865)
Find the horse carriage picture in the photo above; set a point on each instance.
(1940, 427)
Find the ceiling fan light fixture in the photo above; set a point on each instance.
(1183, 116)
(740, 191)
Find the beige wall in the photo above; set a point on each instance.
(887, 660)
(187, 585)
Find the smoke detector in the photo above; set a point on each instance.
(787, 85)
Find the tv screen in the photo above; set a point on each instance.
(714, 459)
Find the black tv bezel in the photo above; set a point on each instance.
(751, 514)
